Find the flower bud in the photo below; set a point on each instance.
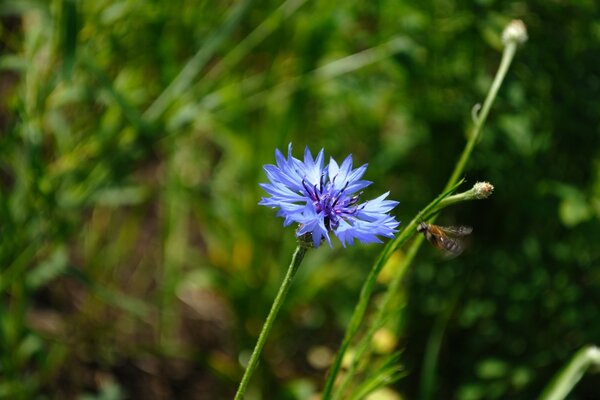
(483, 190)
(515, 32)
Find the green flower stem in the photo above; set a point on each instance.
(567, 378)
(283, 289)
(507, 57)
(436, 206)
(481, 190)
(359, 312)
(369, 286)
(380, 319)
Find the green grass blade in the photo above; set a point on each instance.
(388, 373)
(195, 65)
(68, 36)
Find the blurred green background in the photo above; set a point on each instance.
(136, 263)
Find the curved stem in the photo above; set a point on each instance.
(507, 57)
(442, 201)
(567, 378)
(409, 230)
(369, 286)
(283, 289)
(378, 322)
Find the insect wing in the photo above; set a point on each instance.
(452, 245)
(449, 239)
(457, 231)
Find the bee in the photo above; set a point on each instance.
(447, 238)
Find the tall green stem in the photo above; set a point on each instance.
(507, 57)
(567, 378)
(283, 289)
(510, 48)
(369, 286)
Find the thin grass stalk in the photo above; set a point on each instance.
(245, 46)
(255, 95)
(196, 64)
(184, 80)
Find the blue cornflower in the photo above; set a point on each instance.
(324, 199)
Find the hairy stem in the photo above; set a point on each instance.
(283, 289)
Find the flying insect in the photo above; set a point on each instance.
(447, 238)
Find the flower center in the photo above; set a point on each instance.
(332, 202)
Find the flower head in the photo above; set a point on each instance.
(515, 31)
(483, 190)
(324, 199)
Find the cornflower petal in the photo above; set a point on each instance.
(324, 199)
(313, 167)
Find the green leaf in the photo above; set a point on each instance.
(49, 269)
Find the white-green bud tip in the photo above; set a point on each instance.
(515, 32)
(483, 190)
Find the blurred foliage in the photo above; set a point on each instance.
(137, 264)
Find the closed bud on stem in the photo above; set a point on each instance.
(479, 191)
(483, 190)
(515, 32)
